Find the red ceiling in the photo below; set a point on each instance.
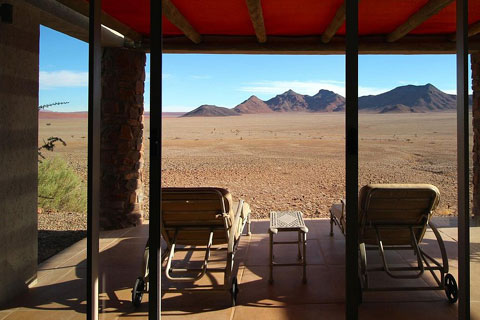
(287, 17)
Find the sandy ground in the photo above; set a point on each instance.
(291, 161)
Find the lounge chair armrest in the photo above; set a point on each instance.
(235, 226)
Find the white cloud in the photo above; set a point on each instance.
(454, 91)
(450, 91)
(404, 83)
(164, 76)
(175, 108)
(200, 77)
(63, 79)
(304, 87)
(68, 78)
(366, 91)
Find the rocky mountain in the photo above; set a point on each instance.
(288, 101)
(207, 110)
(326, 101)
(253, 105)
(404, 99)
(408, 98)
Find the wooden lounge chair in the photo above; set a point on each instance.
(197, 219)
(395, 217)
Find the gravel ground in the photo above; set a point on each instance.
(281, 162)
(59, 230)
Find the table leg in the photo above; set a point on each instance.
(331, 224)
(270, 279)
(304, 238)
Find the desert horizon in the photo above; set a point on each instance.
(289, 161)
(403, 99)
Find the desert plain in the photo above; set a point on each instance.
(289, 161)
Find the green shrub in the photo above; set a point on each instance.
(60, 188)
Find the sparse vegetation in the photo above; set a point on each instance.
(59, 187)
(49, 145)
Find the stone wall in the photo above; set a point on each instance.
(19, 47)
(123, 78)
(476, 132)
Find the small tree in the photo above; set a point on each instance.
(49, 145)
(44, 106)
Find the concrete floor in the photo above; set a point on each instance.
(60, 290)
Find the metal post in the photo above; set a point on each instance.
(154, 305)
(94, 114)
(351, 247)
(462, 162)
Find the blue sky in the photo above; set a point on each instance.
(226, 80)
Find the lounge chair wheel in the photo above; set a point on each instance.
(137, 291)
(451, 289)
(234, 291)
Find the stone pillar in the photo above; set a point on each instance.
(123, 78)
(476, 133)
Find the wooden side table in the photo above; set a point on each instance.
(283, 221)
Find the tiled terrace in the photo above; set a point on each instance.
(60, 291)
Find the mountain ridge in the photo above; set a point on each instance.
(416, 99)
(403, 99)
(208, 110)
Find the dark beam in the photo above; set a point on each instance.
(335, 24)
(430, 9)
(256, 15)
(312, 45)
(473, 30)
(82, 6)
(175, 16)
(59, 17)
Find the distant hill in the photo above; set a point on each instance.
(253, 105)
(409, 98)
(398, 108)
(47, 114)
(207, 110)
(326, 101)
(404, 99)
(289, 101)
(146, 114)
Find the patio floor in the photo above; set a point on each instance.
(60, 290)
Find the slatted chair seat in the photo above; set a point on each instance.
(396, 217)
(197, 219)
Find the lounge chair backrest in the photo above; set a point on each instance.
(394, 207)
(196, 211)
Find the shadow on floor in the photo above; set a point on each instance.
(62, 283)
(52, 242)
